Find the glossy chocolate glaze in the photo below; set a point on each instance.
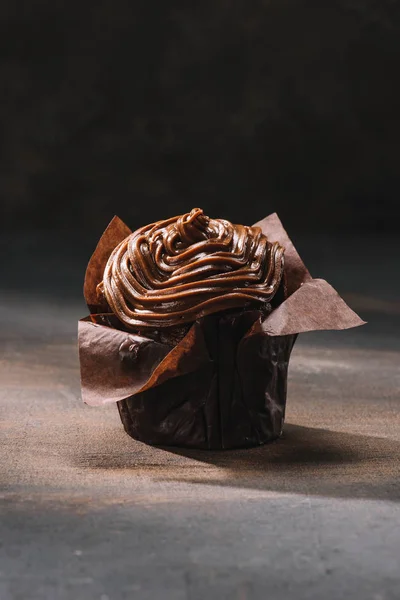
(176, 270)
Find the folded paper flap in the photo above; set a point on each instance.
(315, 305)
(189, 355)
(116, 364)
(112, 236)
(296, 272)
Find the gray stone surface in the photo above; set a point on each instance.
(89, 514)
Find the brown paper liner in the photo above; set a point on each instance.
(224, 384)
(235, 399)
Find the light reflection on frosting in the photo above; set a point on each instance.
(174, 271)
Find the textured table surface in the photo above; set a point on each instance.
(88, 513)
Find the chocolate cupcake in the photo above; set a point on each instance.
(185, 307)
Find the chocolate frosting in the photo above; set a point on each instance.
(176, 270)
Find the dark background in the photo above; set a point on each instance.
(146, 109)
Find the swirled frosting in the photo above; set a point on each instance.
(171, 272)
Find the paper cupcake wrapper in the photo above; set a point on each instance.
(116, 365)
(235, 400)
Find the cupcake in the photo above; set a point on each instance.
(192, 325)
